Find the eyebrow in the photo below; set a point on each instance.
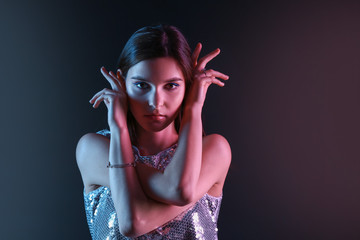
(174, 79)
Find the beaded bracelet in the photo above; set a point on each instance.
(133, 164)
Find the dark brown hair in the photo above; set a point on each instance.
(153, 42)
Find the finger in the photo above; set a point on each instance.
(217, 82)
(212, 80)
(98, 101)
(211, 72)
(98, 94)
(204, 60)
(116, 79)
(121, 79)
(119, 74)
(196, 54)
(93, 99)
(112, 74)
(102, 98)
(114, 84)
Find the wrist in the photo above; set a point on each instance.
(194, 108)
(191, 114)
(121, 129)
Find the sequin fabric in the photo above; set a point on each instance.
(197, 222)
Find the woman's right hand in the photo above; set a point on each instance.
(115, 99)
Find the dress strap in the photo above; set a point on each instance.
(159, 160)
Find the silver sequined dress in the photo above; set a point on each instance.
(198, 222)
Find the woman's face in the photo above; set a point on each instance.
(156, 89)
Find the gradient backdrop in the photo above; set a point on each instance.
(290, 110)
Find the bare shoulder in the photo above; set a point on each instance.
(217, 146)
(92, 154)
(88, 145)
(89, 141)
(216, 159)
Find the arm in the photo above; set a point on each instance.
(195, 166)
(141, 215)
(128, 197)
(137, 214)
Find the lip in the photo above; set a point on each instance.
(156, 117)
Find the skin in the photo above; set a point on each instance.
(199, 165)
(156, 90)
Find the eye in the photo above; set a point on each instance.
(141, 85)
(171, 86)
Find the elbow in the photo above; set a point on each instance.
(131, 228)
(186, 195)
(128, 231)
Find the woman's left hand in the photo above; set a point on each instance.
(203, 78)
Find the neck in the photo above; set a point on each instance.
(150, 143)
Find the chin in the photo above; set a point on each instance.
(155, 127)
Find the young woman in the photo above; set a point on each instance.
(153, 174)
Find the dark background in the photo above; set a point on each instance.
(290, 110)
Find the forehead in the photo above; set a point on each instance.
(156, 69)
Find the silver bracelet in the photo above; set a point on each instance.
(133, 164)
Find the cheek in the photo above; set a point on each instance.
(135, 99)
(176, 101)
(135, 105)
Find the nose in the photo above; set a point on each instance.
(156, 100)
